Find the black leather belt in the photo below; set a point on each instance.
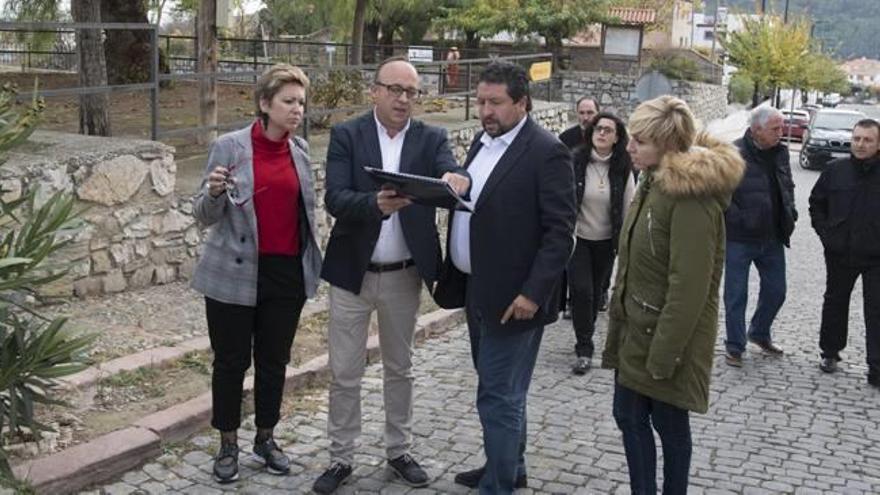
(389, 267)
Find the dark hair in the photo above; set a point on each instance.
(588, 98)
(396, 58)
(620, 159)
(513, 76)
(867, 124)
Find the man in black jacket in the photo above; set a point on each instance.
(843, 208)
(759, 224)
(507, 258)
(381, 250)
(586, 108)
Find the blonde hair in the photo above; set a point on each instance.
(271, 82)
(666, 121)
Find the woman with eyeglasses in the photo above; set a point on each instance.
(259, 263)
(605, 187)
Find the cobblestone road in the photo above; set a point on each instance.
(778, 425)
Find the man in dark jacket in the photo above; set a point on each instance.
(759, 223)
(843, 209)
(586, 108)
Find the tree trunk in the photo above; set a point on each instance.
(207, 62)
(387, 42)
(356, 57)
(371, 39)
(94, 114)
(128, 52)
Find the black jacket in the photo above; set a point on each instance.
(521, 232)
(351, 198)
(573, 137)
(845, 209)
(763, 207)
(619, 172)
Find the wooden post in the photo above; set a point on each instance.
(207, 62)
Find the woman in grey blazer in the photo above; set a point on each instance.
(259, 263)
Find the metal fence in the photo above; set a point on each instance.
(440, 79)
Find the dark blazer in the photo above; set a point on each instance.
(522, 232)
(351, 198)
(749, 218)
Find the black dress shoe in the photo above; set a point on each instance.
(471, 479)
(828, 365)
(329, 481)
(874, 381)
(408, 470)
(767, 346)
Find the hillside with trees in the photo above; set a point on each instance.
(846, 28)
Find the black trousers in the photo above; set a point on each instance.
(268, 329)
(840, 278)
(587, 271)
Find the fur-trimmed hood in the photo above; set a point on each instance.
(710, 168)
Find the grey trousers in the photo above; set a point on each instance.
(395, 298)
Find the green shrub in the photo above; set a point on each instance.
(334, 89)
(677, 67)
(34, 351)
(741, 89)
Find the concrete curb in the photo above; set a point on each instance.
(110, 455)
(155, 357)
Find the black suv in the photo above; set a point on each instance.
(828, 137)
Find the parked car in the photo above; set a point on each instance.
(828, 137)
(796, 122)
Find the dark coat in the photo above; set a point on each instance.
(845, 210)
(573, 137)
(351, 198)
(619, 172)
(521, 232)
(663, 315)
(750, 215)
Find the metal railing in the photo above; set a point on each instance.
(437, 78)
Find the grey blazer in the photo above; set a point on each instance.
(227, 270)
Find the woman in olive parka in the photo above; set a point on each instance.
(664, 310)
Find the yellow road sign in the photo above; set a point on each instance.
(540, 71)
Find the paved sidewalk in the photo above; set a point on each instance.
(778, 425)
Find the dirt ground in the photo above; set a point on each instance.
(178, 109)
(131, 322)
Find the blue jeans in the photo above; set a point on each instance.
(769, 259)
(504, 363)
(635, 414)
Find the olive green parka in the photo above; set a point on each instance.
(664, 309)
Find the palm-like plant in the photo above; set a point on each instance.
(34, 351)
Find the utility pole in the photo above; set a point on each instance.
(785, 16)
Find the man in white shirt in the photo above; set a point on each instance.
(506, 262)
(381, 249)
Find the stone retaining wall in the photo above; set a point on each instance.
(618, 93)
(136, 230)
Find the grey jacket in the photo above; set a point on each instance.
(227, 270)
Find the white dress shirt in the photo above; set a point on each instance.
(391, 246)
(480, 168)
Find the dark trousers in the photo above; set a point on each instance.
(635, 414)
(587, 271)
(267, 328)
(839, 281)
(504, 363)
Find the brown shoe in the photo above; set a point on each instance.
(768, 346)
(734, 360)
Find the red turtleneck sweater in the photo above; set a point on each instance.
(276, 194)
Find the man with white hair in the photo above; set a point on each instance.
(759, 223)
